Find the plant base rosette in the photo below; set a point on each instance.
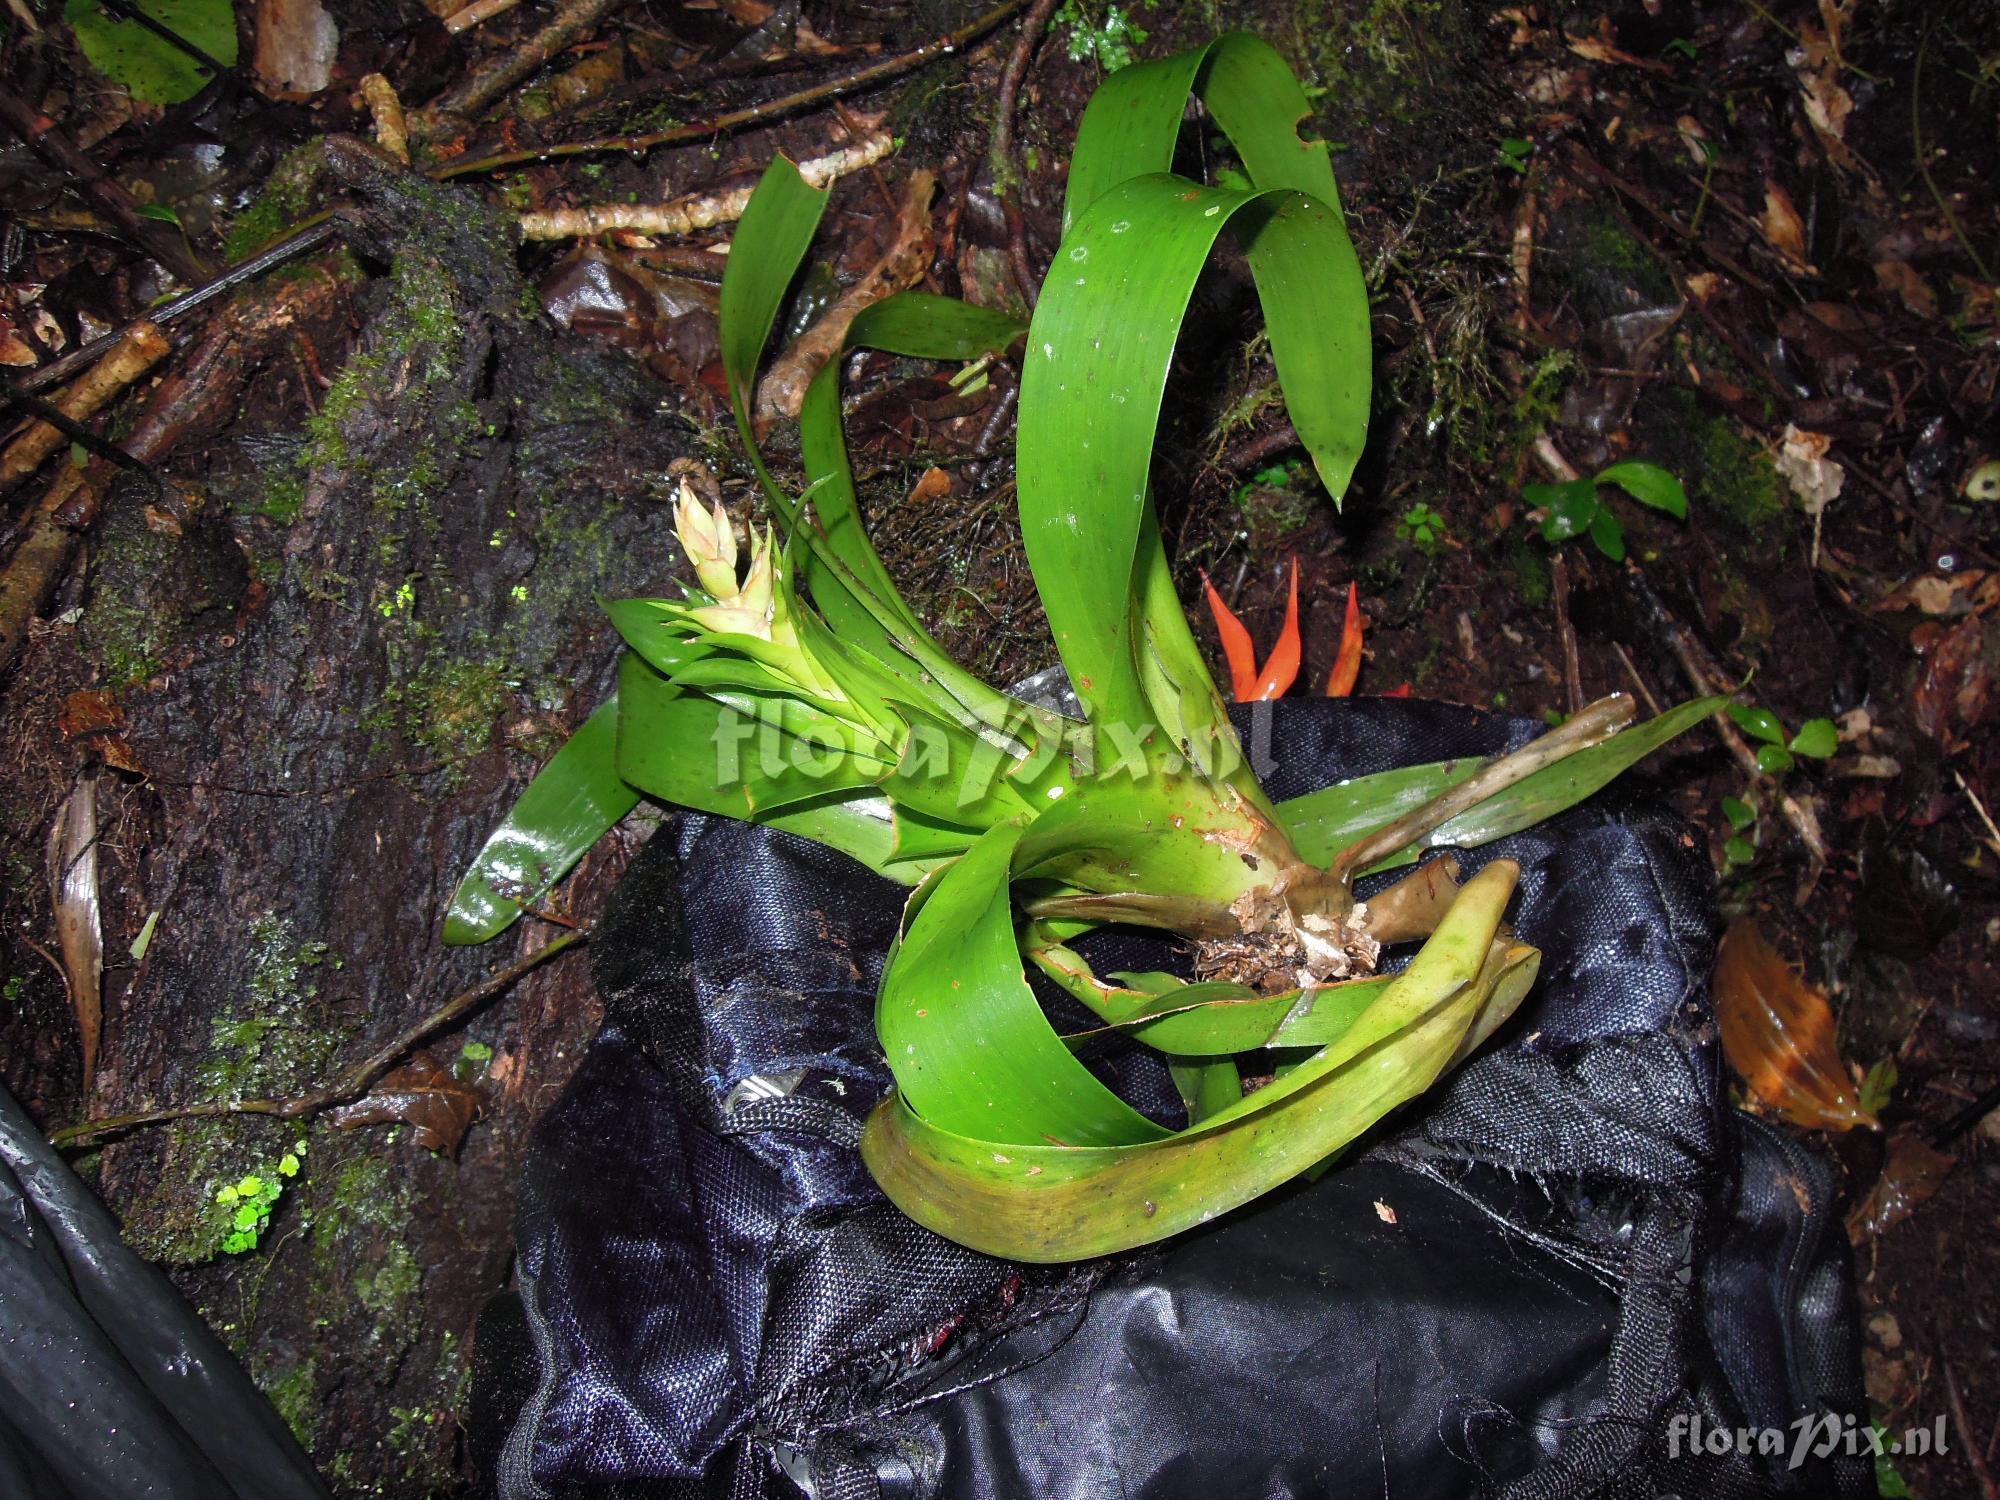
(793, 685)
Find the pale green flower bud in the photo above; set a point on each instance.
(709, 542)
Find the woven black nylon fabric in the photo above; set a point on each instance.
(1516, 1291)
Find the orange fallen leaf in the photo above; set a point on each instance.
(1778, 1034)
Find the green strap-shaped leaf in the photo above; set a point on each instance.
(153, 68)
(699, 752)
(963, 1033)
(917, 324)
(1325, 822)
(1095, 369)
(1053, 1203)
(694, 750)
(569, 806)
(1134, 120)
(1212, 1018)
(771, 239)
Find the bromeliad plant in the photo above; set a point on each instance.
(806, 695)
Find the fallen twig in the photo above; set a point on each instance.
(686, 215)
(839, 86)
(308, 236)
(349, 1085)
(139, 348)
(1992, 840)
(1632, 671)
(574, 20)
(477, 13)
(1703, 678)
(1000, 153)
(783, 389)
(1566, 632)
(1968, 1438)
(162, 241)
(202, 388)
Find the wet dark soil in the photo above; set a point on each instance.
(302, 679)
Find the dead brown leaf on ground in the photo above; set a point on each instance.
(1912, 1170)
(1783, 229)
(423, 1094)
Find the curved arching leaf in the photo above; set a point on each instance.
(1053, 1203)
(1096, 365)
(573, 802)
(964, 1034)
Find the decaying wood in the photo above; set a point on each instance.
(687, 215)
(141, 347)
(1000, 162)
(853, 80)
(392, 132)
(477, 13)
(200, 392)
(783, 389)
(573, 21)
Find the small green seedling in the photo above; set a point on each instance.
(1741, 845)
(1879, 1086)
(1777, 753)
(1514, 153)
(249, 1200)
(1423, 528)
(1574, 509)
(1817, 739)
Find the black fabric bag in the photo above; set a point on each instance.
(110, 1385)
(1530, 1284)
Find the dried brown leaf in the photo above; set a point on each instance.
(1902, 278)
(1777, 1033)
(1954, 691)
(297, 42)
(1912, 1170)
(1814, 478)
(95, 717)
(72, 873)
(423, 1094)
(1783, 229)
